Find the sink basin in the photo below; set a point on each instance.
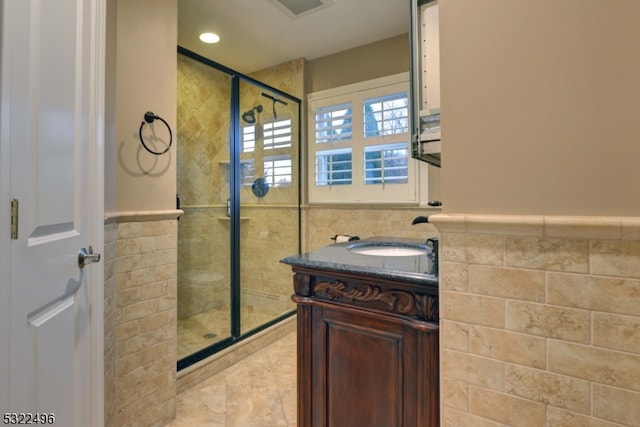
(386, 249)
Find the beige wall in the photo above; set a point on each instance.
(539, 107)
(539, 243)
(142, 73)
(141, 228)
(379, 59)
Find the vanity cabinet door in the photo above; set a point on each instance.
(365, 369)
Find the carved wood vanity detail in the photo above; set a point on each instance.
(367, 350)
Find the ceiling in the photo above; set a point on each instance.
(256, 34)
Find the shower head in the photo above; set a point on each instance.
(249, 116)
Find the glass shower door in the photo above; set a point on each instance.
(238, 185)
(204, 233)
(269, 203)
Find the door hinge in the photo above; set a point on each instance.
(14, 219)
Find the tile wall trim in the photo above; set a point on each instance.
(244, 205)
(582, 227)
(372, 206)
(141, 216)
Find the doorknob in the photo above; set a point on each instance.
(87, 257)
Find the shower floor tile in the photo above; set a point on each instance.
(204, 329)
(259, 391)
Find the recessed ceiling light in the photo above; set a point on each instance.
(209, 38)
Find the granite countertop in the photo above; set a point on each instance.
(338, 257)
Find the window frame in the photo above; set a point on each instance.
(358, 192)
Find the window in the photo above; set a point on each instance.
(386, 115)
(248, 139)
(386, 164)
(266, 152)
(277, 134)
(359, 143)
(333, 167)
(277, 170)
(333, 123)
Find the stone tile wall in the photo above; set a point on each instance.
(110, 324)
(140, 320)
(268, 233)
(203, 260)
(320, 223)
(540, 320)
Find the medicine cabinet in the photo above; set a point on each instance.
(425, 81)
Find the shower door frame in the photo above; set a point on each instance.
(235, 183)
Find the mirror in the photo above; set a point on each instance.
(425, 81)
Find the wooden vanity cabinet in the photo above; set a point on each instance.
(367, 351)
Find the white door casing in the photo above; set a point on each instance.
(51, 161)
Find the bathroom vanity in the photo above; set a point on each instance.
(367, 334)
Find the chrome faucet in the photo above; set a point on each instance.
(432, 243)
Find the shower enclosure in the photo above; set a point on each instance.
(239, 187)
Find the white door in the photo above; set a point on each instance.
(51, 156)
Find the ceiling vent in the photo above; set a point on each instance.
(297, 8)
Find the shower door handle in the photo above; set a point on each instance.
(86, 256)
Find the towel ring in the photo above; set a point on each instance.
(149, 117)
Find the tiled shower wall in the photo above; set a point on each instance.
(140, 320)
(268, 226)
(540, 320)
(203, 278)
(267, 234)
(203, 133)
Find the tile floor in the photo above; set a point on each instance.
(259, 391)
